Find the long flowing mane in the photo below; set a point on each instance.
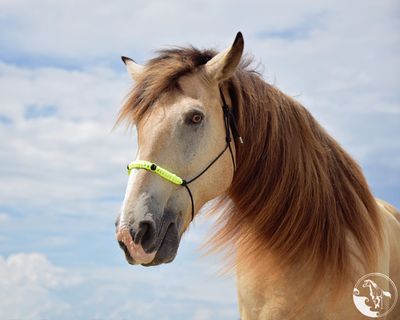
(296, 192)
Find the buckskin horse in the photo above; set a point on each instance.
(297, 221)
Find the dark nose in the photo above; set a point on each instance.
(145, 235)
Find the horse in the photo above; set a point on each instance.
(297, 222)
(376, 293)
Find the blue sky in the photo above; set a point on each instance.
(62, 168)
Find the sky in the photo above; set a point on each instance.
(62, 167)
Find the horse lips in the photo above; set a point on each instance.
(135, 250)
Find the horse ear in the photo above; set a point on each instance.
(134, 69)
(223, 65)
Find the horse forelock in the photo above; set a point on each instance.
(160, 76)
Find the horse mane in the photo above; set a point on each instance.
(295, 193)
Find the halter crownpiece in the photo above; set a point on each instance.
(230, 125)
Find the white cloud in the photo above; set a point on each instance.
(72, 155)
(129, 27)
(26, 282)
(32, 269)
(34, 288)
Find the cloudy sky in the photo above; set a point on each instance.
(62, 169)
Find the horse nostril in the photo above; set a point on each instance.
(144, 235)
(143, 227)
(149, 237)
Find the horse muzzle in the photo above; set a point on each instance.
(143, 243)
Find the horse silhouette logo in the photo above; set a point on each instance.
(375, 295)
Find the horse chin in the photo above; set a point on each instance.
(156, 262)
(166, 252)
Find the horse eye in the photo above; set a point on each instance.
(196, 118)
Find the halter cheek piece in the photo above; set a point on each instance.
(230, 125)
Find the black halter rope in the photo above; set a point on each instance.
(230, 125)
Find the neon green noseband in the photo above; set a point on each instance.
(152, 167)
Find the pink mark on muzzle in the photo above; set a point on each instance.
(135, 250)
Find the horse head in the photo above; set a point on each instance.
(182, 132)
